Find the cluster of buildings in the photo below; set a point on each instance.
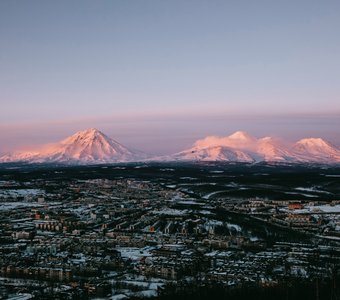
(121, 238)
(321, 218)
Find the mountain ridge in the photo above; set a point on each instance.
(243, 147)
(91, 146)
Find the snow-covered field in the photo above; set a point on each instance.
(318, 209)
(6, 206)
(12, 193)
(171, 212)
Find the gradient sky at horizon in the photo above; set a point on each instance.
(156, 75)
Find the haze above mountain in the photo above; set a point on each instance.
(92, 147)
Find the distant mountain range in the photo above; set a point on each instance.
(92, 147)
(241, 147)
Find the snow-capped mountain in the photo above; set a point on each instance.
(242, 147)
(315, 149)
(213, 153)
(271, 149)
(88, 146)
(92, 146)
(238, 140)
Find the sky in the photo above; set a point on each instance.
(156, 75)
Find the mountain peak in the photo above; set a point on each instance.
(316, 149)
(89, 132)
(240, 135)
(266, 139)
(86, 136)
(313, 142)
(86, 146)
(92, 146)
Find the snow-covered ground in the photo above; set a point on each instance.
(134, 253)
(207, 196)
(318, 209)
(20, 193)
(312, 189)
(146, 287)
(171, 212)
(15, 205)
(234, 227)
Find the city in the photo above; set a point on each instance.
(111, 232)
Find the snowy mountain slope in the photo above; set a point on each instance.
(315, 150)
(19, 156)
(270, 149)
(92, 146)
(241, 147)
(213, 153)
(88, 146)
(238, 140)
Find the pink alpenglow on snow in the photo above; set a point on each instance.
(88, 146)
(92, 147)
(241, 147)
